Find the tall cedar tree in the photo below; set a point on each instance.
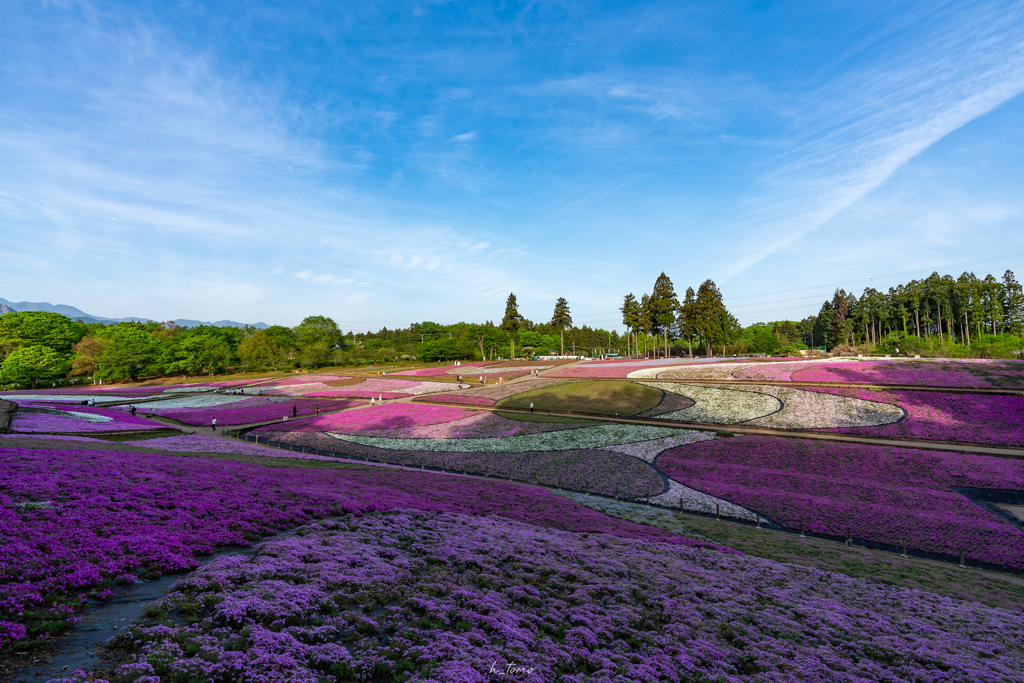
(687, 317)
(510, 323)
(646, 316)
(839, 311)
(710, 314)
(664, 304)
(630, 318)
(561, 319)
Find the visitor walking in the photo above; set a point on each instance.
(317, 410)
(213, 425)
(295, 410)
(531, 408)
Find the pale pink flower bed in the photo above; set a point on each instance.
(928, 373)
(440, 370)
(391, 416)
(305, 379)
(348, 393)
(298, 389)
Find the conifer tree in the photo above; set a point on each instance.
(687, 318)
(664, 305)
(561, 319)
(630, 318)
(510, 323)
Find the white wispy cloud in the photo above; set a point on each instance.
(853, 132)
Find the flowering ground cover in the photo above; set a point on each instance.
(450, 597)
(74, 520)
(995, 420)
(611, 369)
(443, 370)
(714, 405)
(388, 388)
(802, 409)
(490, 394)
(235, 414)
(947, 373)
(391, 416)
(881, 494)
(576, 437)
(42, 418)
(581, 469)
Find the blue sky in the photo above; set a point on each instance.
(384, 163)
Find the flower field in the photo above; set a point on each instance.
(444, 370)
(451, 597)
(254, 410)
(490, 394)
(615, 369)
(132, 513)
(961, 373)
(996, 420)
(546, 558)
(43, 418)
(878, 493)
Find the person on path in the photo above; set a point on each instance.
(295, 410)
(133, 411)
(318, 410)
(531, 408)
(213, 425)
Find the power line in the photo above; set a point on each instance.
(881, 277)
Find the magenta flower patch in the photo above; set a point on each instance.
(877, 493)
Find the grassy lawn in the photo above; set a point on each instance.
(598, 398)
(541, 418)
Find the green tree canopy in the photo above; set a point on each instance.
(318, 329)
(39, 328)
(129, 351)
(30, 365)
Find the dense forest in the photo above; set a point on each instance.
(938, 316)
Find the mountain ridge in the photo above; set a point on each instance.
(78, 314)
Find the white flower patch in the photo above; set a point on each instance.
(200, 401)
(88, 417)
(60, 398)
(680, 496)
(596, 436)
(707, 371)
(649, 450)
(426, 388)
(714, 405)
(813, 410)
(192, 388)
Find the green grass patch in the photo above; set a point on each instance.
(599, 398)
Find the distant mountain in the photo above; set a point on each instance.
(77, 314)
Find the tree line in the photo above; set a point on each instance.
(939, 315)
(937, 311)
(700, 319)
